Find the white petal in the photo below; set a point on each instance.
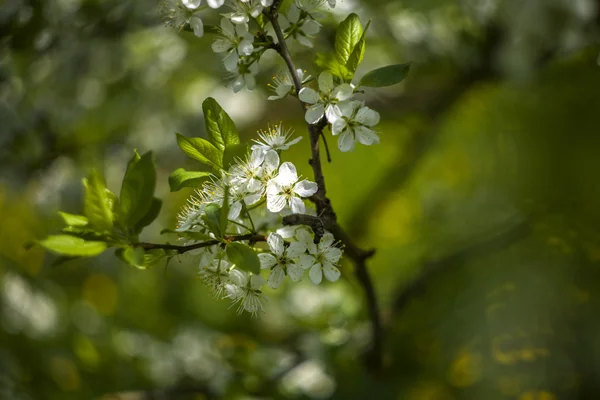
(297, 205)
(311, 27)
(221, 46)
(276, 277)
(346, 141)
(231, 61)
(239, 18)
(306, 261)
(275, 202)
(333, 254)
(287, 174)
(266, 3)
(238, 277)
(338, 126)
(294, 14)
(331, 273)
(366, 116)
(234, 210)
(305, 188)
(257, 157)
(227, 27)
(253, 198)
(287, 232)
(283, 22)
(215, 3)
(347, 108)
(291, 142)
(314, 113)
(282, 90)
(253, 68)
(326, 241)
(245, 47)
(295, 249)
(250, 81)
(257, 281)
(191, 4)
(197, 26)
(304, 236)
(241, 30)
(256, 11)
(304, 40)
(309, 95)
(331, 3)
(365, 135)
(276, 243)
(333, 113)
(343, 92)
(325, 82)
(271, 161)
(315, 273)
(267, 260)
(295, 272)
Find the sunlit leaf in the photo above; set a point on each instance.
(385, 76)
(98, 205)
(201, 150)
(72, 246)
(219, 126)
(73, 220)
(212, 218)
(137, 189)
(244, 257)
(181, 178)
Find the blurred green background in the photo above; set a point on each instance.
(482, 202)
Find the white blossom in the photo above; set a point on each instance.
(283, 84)
(353, 124)
(282, 260)
(321, 259)
(244, 289)
(275, 138)
(216, 275)
(179, 13)
(244, 76)
(236, 41)
(285, 190)
(302, 29)
(325, 102)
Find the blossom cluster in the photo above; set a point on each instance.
(259, 179)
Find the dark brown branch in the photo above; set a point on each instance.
(493, 243)
(183, 249)
(325, 210)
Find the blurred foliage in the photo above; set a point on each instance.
(495, 128)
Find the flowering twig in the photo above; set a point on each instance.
(325, 210)
(183, 249)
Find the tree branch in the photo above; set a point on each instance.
(195, 246)
(327, 216)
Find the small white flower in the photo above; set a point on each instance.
(179, 13)
(247, 174)
(236, 41)
(275, 138)
(353, 124)
(282, 261)
(245, 76)
(244, 289)
(283, 84)
(322, 259)
(302, 29)
(238, 197)
(325, 102)
(215, 275)
(285, 190)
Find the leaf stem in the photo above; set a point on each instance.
(184, 249)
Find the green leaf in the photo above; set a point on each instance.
(188, 235)
(73, 220)
(181, 178)
(134, 256)
(62, 259)
(219, 126)
(201, 150)
(137, 188)
(385, 76)
(98, 205)
(244, 257)
(233, 152)
(347, 35)
(84, 233)
(212, 218)
(72, 246)
(151, 215)
(153, 257)
(140, 258)
(358, 53)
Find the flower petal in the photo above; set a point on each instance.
(333, 113)
(331, 273)
(314, 113)
(326, 241)
(333, 254)
(346, 141)
(215, 3)
(311, 27)
(366, 116)
(234, 210)
(227, 27)
(221, 46)
(338, 126)
(343, 92)
(257, 281)
(306, 261)
(271, 161)
(304, 40)
(231, 62)
(276, 277)
(287, 174)
(276, 244)
(315, 273)
(297, 205)
(366, 136)
(267, 260)
(295, 272)
(293, 14)
(197, 26)
(245, 47)
(325, 82)
(275, 202)
(305, 188)
(309, 95)
(250, 81)
(295, 249)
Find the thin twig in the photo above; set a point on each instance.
(326, 147)
(183, 249)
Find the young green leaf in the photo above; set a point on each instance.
(219, 126)
(233, 152)
(151, 215)
(201, 150)
(243, 256)
(153, 257)
(133, 256)
(347, 35)
(98, 205)
(212, 218)
(73, 220)
(358, 53)
(385, 76)
(181, 178)
(137, 188)
(72, 246)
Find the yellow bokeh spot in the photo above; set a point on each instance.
(100, 291)
(65, 374)
(85, 350)
(509, 385)
(465, 370)
(501, 356)
(428, 390)
(537, 395)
